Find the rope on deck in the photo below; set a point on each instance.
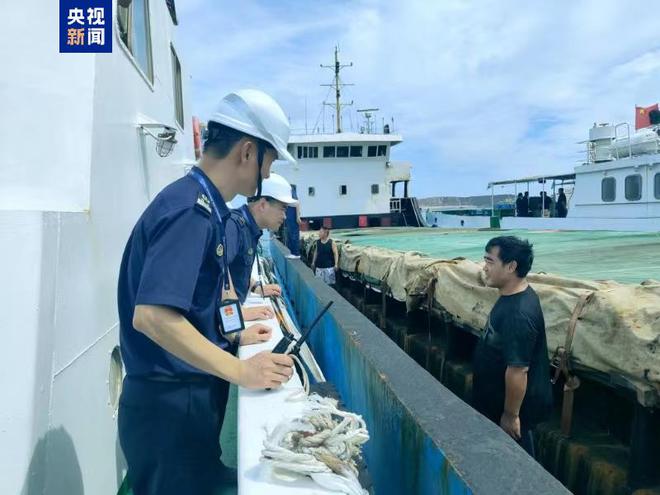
(325, 444)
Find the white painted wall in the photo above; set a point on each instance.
(587, 201)
(398, 171)
(59, 263)
(46, 113)
(327, 175)
(23, 277)
(446, 221)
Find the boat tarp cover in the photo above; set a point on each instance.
(628, 257)
(617, 333)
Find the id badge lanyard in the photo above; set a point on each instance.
(229, 310)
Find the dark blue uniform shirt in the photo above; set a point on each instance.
(173, 258)
(292, 227)
(291, 211)
(243, 236)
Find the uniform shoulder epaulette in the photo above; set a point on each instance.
(203, 203)
(237, 216)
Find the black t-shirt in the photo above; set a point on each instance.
(514, 336)
(325, 258)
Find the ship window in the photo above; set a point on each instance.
(356, 151)
(656, 186)
(308, 152)
(634, 187)
(134, 33)
(178, 92)
(375, 189)
(328, 152)
(311, 191)
(382, 150)
(342, 151)
(343, 189)
(371, 150)
(608, 189)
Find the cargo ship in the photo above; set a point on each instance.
(349, 179)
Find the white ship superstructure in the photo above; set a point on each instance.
(621, 178)
(347, 179)
(79, 164)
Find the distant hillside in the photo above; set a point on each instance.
(466, 201)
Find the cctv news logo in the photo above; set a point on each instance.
(85, 26)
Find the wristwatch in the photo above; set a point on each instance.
(236, 341)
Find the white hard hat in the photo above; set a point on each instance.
(277, 187)
(257, 114)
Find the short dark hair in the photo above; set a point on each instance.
(220, 139)
(324, 227)
(514, 249)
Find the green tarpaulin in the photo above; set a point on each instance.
(625, 257)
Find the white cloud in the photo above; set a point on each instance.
(480, 90)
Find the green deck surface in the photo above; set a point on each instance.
(627, 257)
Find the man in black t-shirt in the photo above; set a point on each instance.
(561, 207)
(520, 201)
(326, 257)
(511, 367)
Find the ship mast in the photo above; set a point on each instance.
(337, 67)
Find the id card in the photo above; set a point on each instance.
(231, 317)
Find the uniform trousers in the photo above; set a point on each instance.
(293, 238)
(169, 430)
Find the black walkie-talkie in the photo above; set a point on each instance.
(286, 341)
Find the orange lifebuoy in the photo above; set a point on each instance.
(197, 138)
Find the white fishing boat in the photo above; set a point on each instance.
(617, 187)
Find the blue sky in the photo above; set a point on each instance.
(480, 91)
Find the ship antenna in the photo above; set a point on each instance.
(337, 67)
(368, 114)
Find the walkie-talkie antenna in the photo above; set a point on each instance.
(279, 314)
(306, 333)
